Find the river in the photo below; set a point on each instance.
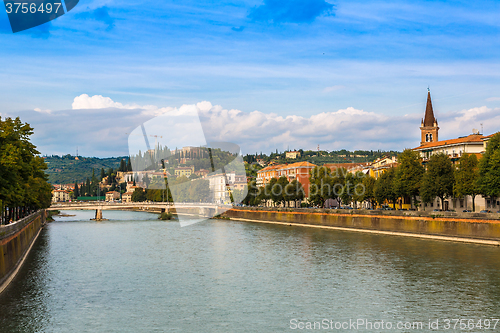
(135, 273)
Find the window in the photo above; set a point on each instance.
(430, 137)
(427, 137)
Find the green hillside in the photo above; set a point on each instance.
(67, 169)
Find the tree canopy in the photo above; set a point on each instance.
(438, 180)
(23, 182)
(466, 177)
(489, 169)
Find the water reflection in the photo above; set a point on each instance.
(136, 274)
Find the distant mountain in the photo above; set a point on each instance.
(68, 169)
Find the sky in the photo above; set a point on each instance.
(265, 74)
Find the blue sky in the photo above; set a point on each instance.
(277, 58)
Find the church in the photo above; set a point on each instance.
(429, 143)
(474, 143)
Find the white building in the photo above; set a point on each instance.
(60, 196)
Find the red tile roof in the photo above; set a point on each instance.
(466, 139)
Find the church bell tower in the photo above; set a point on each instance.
(429, 127)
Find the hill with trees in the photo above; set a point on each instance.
(68, 169)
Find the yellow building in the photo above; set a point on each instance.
(127, 197)
(380, 165)
(184, 171)
(112, 196)
(292, 154)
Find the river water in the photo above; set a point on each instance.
(135, 273)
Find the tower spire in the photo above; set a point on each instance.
(429, 118)
(429, 127)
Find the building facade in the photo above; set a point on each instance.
(112, 196)
(184, 171)
(127, 197)
(298, 171)
(292, 154)
(60, 196)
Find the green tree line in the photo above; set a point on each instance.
(409, 181)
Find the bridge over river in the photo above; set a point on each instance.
(194, 209)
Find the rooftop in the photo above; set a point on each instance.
(472, 138)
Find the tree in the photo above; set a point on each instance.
(87, 187)
(252, 194)
(103, 174)
(278, 190)
(123, 166)
(294, 192)
(384, 187)
(466, 178)
(266, 194)
(129, 165)
(489, 169)
(76, 191)
(23, 182)
(320, 181)
(139, 195)
(357, 191)
(338, 185)
(438, 180)
(369, 193)
(408, 175)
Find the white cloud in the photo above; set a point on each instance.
(42, 111)
(87, 102)
(84, 101)
(333, 88)
(254, 131)
(493, 99)
(462, 122)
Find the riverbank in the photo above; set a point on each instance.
(479, 230)
(16, 241)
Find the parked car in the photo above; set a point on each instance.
(466, 211)
(485, 211)
(437, 210)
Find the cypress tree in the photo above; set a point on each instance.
(87, 187)
(123, 166)
(76, 192)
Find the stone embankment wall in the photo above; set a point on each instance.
(16, 240)
(477, 228)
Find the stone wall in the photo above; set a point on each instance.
(15, 240)
(475, 228)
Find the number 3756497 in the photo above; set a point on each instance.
(32, 8)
